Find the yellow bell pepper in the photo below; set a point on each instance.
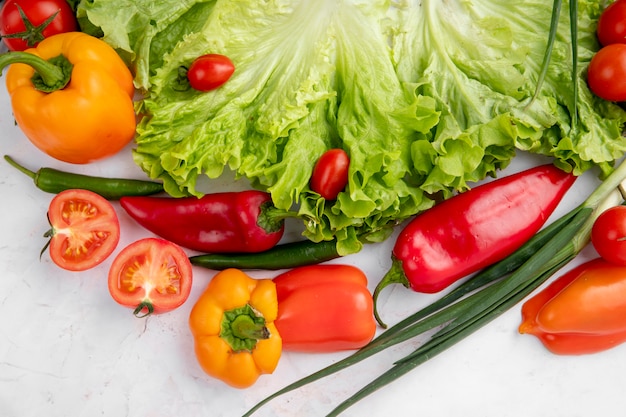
(233, 327)
(72, 96)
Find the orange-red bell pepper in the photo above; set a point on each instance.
(241, 324)
(324, 308)
(582, 312)
(72, 96)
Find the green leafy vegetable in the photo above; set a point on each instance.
(425, 96)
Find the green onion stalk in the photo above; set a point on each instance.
(481, 298)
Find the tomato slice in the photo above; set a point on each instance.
(151, 275)
(84, 230)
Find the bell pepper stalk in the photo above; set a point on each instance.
(581, 312)
(72, 74)
(474, 229)
(241, 325)
(480, 299)
(228, 222)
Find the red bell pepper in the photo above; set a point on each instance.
(244, 221)
(324, 308)
(474, 229)
(581, 312)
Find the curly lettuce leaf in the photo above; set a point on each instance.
(426, 97)
(144, 31)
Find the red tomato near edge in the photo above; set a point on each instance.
(85, 229)
(209, 72)
(606, 74)
(612, 24)
(151, 275)
(37, 12)
(608, 235)
(330, 174)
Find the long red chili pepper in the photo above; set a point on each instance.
(474, 229)
(244, 221)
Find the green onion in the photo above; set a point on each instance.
(482, 298)
(554, 24)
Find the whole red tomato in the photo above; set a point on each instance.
(20, 32)
(612, 24)
(606, 74)
(330, 174)
(210, 71)
(608, 235)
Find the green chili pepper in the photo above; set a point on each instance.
(284, 256)
(54, 181)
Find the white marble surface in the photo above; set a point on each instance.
(67, 349)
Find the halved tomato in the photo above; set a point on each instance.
(84, 230)
(151, 275)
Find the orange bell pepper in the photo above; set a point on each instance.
(72, 96)
(232, 324)
(582, 312)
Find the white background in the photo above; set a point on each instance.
(67, 349)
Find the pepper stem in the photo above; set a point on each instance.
(395, 275)
(21, 168)
(271, 219)
(242, 328)
(50, 75)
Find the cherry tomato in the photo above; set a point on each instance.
(612, 24)
(84, 229)
(19, 34)
(210, 71)
(151, 275)
(330, 174)
(606, 74)
(608, 235)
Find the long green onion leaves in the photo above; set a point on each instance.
(481, 298)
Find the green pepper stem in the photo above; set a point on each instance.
(244, 327)
(271, 219)
(21, 168)
(395, 275)
(50, 75)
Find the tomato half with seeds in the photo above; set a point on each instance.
(84, 231)
(151, 275)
